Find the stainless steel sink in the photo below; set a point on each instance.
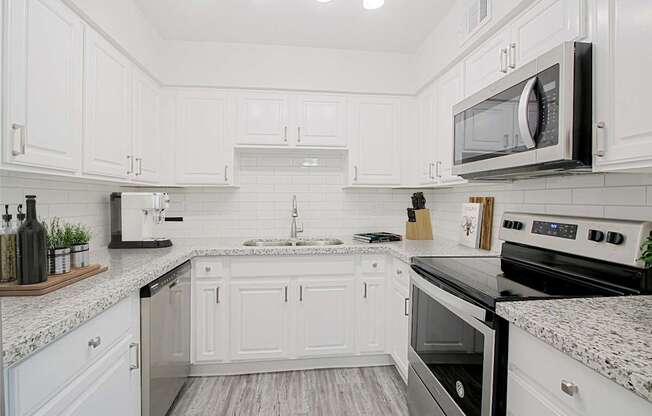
(325, 242)
(289, 243)
(268, 243)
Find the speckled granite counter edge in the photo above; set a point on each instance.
(616, 371)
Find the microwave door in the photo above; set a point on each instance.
(529, 114)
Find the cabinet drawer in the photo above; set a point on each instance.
(65, 358)
(207, 268)
(595, 396)
(401, 273)
(373, 264)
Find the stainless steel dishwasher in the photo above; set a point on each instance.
(165, 339)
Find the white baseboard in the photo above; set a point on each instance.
(254, 367)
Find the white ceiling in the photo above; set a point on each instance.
(399, 26)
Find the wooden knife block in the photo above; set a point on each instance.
(422, 228)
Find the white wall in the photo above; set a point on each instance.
(286, 67)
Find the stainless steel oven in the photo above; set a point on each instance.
(534, 121)
(452, 353)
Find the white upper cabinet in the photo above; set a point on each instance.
(375, 157)
(147, 139)
(321, 120)
(623, 126)
(427, 156)
(43, 85)
(544, 26)
(108, 110)
(539, 29)
(449, 92)
(487, 64)
(204, 153)
(263, 119)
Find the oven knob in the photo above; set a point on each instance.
(517, 225)
(615, 238)
(596, 235)
(508, 224)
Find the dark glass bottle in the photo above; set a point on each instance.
(32, 251)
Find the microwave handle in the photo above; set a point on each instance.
(523, 124)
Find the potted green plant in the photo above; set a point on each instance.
(80, 236)
(646, 248)
(58, 247)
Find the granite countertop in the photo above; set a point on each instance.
(613, 336)
(31, 323)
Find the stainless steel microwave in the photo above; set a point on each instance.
(535, 121)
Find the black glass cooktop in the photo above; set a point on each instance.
(487, 280)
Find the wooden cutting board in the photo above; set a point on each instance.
(487, 219)
(54, 282)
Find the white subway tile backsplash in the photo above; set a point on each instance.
(548, 196)
(625, 195)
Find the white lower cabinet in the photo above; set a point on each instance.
(209, 323)
(535, 386)
(370, 295)
(93, 370)
(260, 319)
(398, 318)
(324, 311)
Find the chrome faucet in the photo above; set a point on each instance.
(294, 228)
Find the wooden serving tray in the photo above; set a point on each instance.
(54, 282)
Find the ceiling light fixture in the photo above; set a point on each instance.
(373, 4)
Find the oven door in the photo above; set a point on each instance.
(451, 350)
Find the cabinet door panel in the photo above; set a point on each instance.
(449, 93)
(545, 26)
(622, 85)
(44, 85)
(321, 121)
(203, 142)
(147, 140)
(263, 119)
(209, 322)
(108, 101)
(483, 66)
(376, 153)
(324, 325)
(259, 320)
(427, 140)
(371, 315)
(400, 327)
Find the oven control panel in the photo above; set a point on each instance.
(619, 241)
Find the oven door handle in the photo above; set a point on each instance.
(523, 107)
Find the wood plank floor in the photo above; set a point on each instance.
(342, 392)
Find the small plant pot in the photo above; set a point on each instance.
(80, 256)
(59, 260)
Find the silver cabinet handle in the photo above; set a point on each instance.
(137, 365)
(285, 133)
(430, 171)
(437, 170)
(569, 388)
(94, 342)
(407, 313)
(301, 293)
(365, 290)
(399, 272)
(355, 173)
(512, 55)
(208, 269)
(374, 265)
(502, 55)
(139, 163)
(130, 159)
(299, 134)
(226, 173)
(286, 294)
(22, 136)
(217, 294)
(599, 138)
